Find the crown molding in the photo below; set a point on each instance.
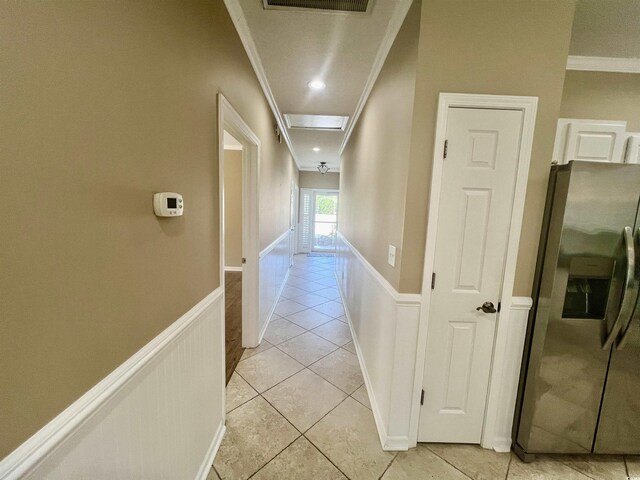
(603, 64)
(395, 23)
(242, 27)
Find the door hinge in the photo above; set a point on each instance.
(499, 306)
(433, 280)
(446, 147)
(422, 397)
(244, 260)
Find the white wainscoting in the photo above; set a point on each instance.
(274, 270)
(505, 375)
(384, 325)
(159, 415)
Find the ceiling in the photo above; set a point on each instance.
(608, 28)
(294, 47)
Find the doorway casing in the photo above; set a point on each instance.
(232, 122)
(528, 105)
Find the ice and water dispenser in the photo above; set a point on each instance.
(588, 288)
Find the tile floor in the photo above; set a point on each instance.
(298, 409)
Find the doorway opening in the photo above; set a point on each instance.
(318, 230)
(233, 216)
(239, 151)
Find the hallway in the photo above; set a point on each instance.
(297, 407)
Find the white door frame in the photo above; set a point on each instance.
(528, 105)
(232, 122)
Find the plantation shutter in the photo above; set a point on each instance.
(305, 220)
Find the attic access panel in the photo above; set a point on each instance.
(350, 6)
(335, 123)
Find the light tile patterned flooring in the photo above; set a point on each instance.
(298, 409)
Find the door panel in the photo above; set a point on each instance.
(473, 225)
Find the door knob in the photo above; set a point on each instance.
(487, 307)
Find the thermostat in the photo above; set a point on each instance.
(168, 204)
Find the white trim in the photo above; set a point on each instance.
(28, 455)
(376, 305)
(603, 64)
(242, 27)
(401, 298)
(273, 307)
(508, 371)
(274, 244)
(233, 147)
(393, 27)
(230, 120)
(207, 463)
(528, 105)
(232, 269)
(382, 431)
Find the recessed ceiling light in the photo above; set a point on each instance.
(316, 149)
(316, 85)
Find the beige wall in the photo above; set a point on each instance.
(103, 104)
(330, 180)
(233, 208)
(373, 173)
(489, 47)
(602, 96)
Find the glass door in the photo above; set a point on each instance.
(325, 221)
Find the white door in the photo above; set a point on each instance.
(478, 182)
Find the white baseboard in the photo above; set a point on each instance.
(232, 269)
(383, 323)
(205, 468)
(113, 429)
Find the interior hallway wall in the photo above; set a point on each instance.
(330, 180)
(512, 48)
(105, 103)
(602, 96)
(374, 168)
(496, 47)
(233, 208)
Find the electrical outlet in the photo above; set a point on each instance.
(392, 256)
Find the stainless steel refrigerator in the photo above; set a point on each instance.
(580, 380)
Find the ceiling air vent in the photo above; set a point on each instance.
(333, 123)
(356, 6)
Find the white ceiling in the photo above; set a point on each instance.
(345, 51)
(608, 28)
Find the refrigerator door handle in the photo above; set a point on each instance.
(635, 317)
(630, 286)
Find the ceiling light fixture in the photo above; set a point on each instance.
(316, 85)
(316, 149)
(322, 168)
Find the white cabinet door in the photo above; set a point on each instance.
(589, 140)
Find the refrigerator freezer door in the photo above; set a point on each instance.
(619, 425)
(584, 263)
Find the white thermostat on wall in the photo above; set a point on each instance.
(168, 204)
